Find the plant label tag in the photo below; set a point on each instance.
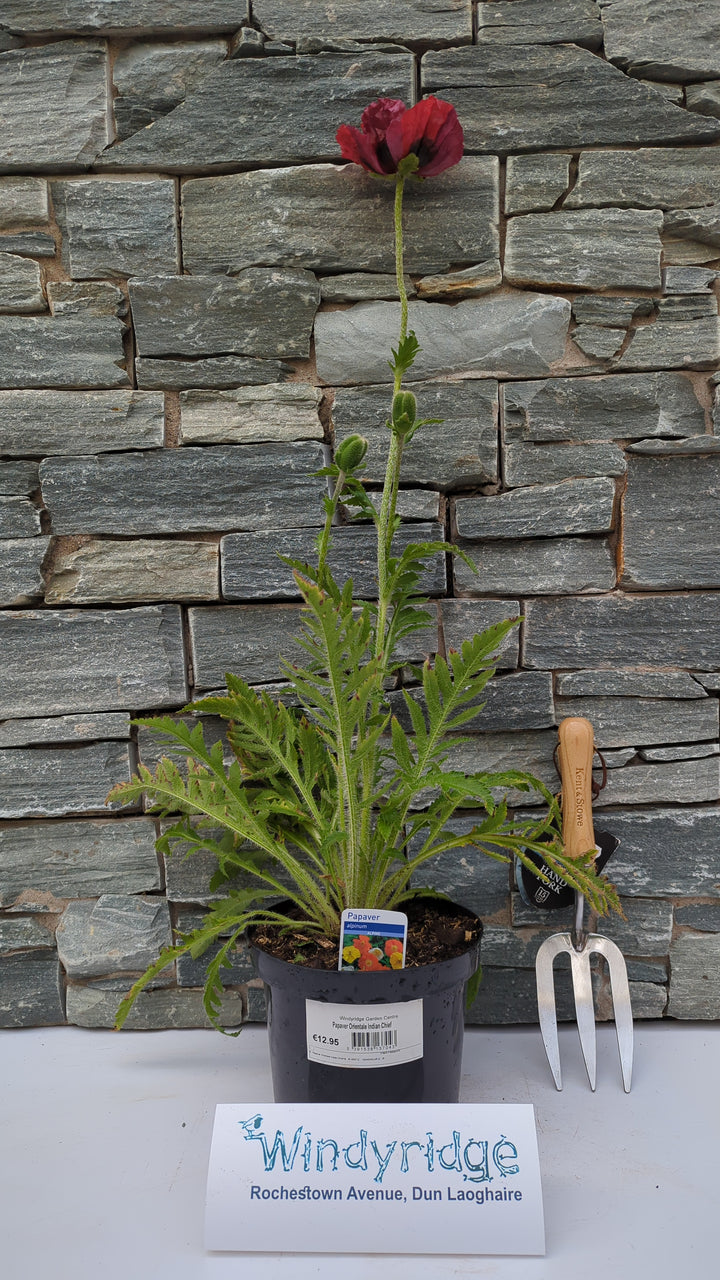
(372, 940)
(441, 1178)
(364, 1035)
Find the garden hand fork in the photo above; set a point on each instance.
(576, 749)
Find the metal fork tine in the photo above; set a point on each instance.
(584, 1009)
(622, 1008)
(547, 1015)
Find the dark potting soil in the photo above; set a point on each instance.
(435, 933)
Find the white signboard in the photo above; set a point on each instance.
(412, 1179)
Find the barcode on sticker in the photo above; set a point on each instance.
(374, 1039)
(362, 1036)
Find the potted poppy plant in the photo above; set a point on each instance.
(329, 803)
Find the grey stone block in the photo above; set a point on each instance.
(248, 640)
(644, 721)
(685, 782)
(695, 977)
(456, 285)
(20, 286)
(78, 17)
(541, 22)
(463, 619)
(697, 751)
(692, 446)
(677, 43)
(363, 286)
(64, 661)
(44, 423)
(518, 701)
(648, 178)
(24, 934)
(513, 335)
(215, 374)
(702, 916)
(404, 21)
(671, 523)
(21, 580)
(646, 971)
(599, 343)
(673, 345)
(116, 227)
(534, 183)
(655, 631)
(701, 225)
(278, 411)
(509, 996)
(338, 218)
(588, 309)
(260, 312)
(708, 679)
(666, 852)
(252, 570)
(704, 98)
(32, 244)
(151, 78)
(628, 684)
(465, 874)
(19, 518)
(19, 478)
(171, 1009)
(420, 505)
(190, 490)
(694, 307)
(539, 98)
(23, 202)
(631, 406)
(89, 298)
(30, 991)
(68, 352)
(251, 111)
(78, 728)
(647, 1000)
(53, 103)
(247, 43)
(48, 782)
(525, 464)
(147, 569)
(540, 511)
(117, 933)
(459, 452)
(688, 280)
(536, 566)
(585, 249)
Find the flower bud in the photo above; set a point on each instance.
(350, 453)
(404, 410)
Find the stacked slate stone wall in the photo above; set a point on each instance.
(195, 294)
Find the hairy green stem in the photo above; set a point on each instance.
(399, 270)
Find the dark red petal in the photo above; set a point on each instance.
(448, 148)
(377, 118)
(359, 148)
(432, 131)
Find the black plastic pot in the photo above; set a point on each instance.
(434, 1077)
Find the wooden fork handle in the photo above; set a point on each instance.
(575, 757)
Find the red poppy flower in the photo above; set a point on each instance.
(390, 132)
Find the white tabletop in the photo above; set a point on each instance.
(105, 1141)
